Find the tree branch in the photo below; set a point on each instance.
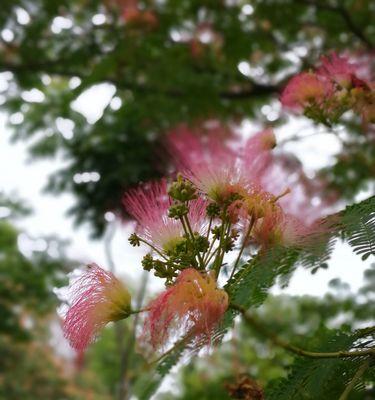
(54, 68)
(343, 12)
(253, 322)
(361, 370)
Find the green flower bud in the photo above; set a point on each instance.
(134, 240)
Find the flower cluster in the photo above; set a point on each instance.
(219, 202)
(336, 86)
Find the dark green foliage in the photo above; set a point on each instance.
(27, 282)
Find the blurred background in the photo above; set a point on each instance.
(88, 92)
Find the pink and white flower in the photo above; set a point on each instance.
(97, 298)
(305, 89)
(194, 305)
(218, 168)
(149, 204)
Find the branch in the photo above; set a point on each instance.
(127, 351)
(54, 68)
(343, 12)
(361, 370)
(252, 321)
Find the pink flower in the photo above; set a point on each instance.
(98, 297)
(303, 90)
(149, 205)
(278, 228)
(193, 305)
(218, 168)
(257, 157)
(339, 70)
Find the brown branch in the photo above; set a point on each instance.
(361, 370)
(54, 68)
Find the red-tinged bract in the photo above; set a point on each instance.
(98, 298)
(194, 305)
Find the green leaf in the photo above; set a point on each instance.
(316, 379)
(358, 229)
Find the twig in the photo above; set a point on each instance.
(251, 224)
(252, 321)
(343, 12)
(128, 349)
(361, 370)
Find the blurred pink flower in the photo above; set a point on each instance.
(305, 89)
(193, 305)
(149, 205)
(279, 228)
(220, 168)
(98, 297)
(339, 70)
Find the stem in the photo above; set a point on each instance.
(361, 370)
(153, 248)
(193, 240)
(294, 349)
(252, 222)
(209, 228)
(127, 352)
(179, 343)
(220, 254)
(208, 259)
(138, 311)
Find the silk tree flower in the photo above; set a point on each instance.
(218, 168)
(305, 89)
(339, 70)
(149, 204)
(257, 156)
(98, 298)
(194, 305)
(279, 228)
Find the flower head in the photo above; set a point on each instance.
(220, 169)
(339, 70)
(278, 228)
(193, 305)
(149, 205)
(98, 297)
(303, 90)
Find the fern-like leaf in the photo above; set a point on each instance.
(317, 379)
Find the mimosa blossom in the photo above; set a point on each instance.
(149, 205)
(339, 70)
(279, 228)
(97, 298)
(338, 85)
(193, 305)
(303, 90)
(218, 168)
